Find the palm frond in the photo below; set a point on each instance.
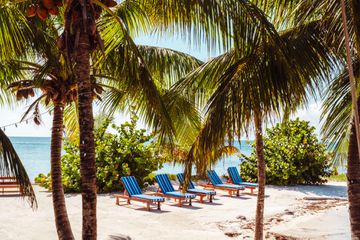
(9, 73)
(71, 121)
(263, 83)
(166, 65)
(337, 114)
(15, 31)
(185, 117)
(139, 83)
(220, 24)
(11, 165)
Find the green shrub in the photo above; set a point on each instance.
(43, 180)
(128, 152)
(293, 155)
(338, 178)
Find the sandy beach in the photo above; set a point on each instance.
(288, 215)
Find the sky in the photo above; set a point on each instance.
(14, 114)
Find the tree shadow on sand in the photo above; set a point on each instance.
(119, 237)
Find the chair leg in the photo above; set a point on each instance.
(211, 196)
(128, 201)
(180, 203)
(148, 206)
(117, 201)
(158, 206)
(202, 199)
(190, 204)
(238, 193)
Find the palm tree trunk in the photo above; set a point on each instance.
(87, 145)
(63, 226)
(353, 175)
(259, 221)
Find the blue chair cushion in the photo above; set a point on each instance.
(237, 187)
(180, 194)
(201, 191)
(150, 198)
(247, 184)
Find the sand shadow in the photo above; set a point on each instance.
(320, 190)
(140, 208)
(249, 194)
(119, 237)
(185, 206)
(211, 203)
(10, 195)
(241, 197)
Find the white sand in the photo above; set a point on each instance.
(201, 221)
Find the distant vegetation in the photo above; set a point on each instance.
(127, 152)
(337, 178)
(293, 155)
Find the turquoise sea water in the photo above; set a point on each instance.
(35, 155)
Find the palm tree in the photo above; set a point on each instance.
(57, 85)
(255, 87)
(333, 32)
(60, 93)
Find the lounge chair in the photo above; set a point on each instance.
(197, 191)
(235, 178)
(167, 190)
(133, 193)
(218, 184)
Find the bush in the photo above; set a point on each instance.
(128, 152)
(293, 155)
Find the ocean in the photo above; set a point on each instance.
(35, 155)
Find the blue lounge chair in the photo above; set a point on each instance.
(167, 190)
(218, 184)
(199, 192)
(133, 193)
(235, 178)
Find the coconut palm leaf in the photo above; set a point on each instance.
(71, 121)
(329, 13)
(167, 65)
(214, 22)
(304, 46)
(9, 73)
(11, 165)
(140, 84)
(261, 82)
(163, 67)
(337, 114)
(185, 116)
(14, 30)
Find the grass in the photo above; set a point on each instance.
(338, 178)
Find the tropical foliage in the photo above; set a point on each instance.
(129, 151)
(293, 155)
